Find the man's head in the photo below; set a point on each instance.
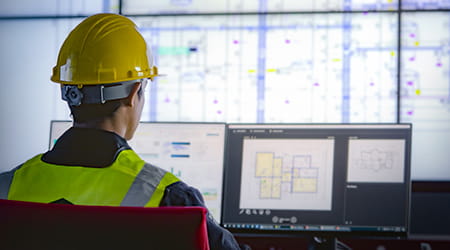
(102, 64)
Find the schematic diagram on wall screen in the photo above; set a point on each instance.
(287, 174)
(376, 160)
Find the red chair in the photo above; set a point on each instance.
(29, 225)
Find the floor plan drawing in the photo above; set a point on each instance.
(376, 161)
(301, 176)
(287, 173)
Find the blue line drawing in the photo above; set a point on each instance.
(300, 176)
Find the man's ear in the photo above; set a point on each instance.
(133, 94)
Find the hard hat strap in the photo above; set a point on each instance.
(96, 94)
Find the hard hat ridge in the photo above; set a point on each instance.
(103, 49)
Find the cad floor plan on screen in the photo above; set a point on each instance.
(376, 161)
(284, 173)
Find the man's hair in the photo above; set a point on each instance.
(94, 113)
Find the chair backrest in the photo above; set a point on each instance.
(29, 225)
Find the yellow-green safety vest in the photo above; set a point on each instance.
(129, 181)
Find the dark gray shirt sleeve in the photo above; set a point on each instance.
(180, 194)
(5, 182)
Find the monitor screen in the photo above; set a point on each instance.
(318, 178)
(194, 152)
(57, 128)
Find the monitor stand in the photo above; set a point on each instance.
(326, 243)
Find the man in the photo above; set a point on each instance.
(103, 67)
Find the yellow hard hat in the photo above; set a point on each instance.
(102, 49)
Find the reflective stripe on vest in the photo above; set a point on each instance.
(129, 181)
(143, 191)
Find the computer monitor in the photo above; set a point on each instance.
(57, 128)
(194, 152)
(319, 179)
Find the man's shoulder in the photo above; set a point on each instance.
(182, 194)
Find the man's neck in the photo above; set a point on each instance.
(116, 124)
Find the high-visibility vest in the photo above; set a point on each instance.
(129, 181)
